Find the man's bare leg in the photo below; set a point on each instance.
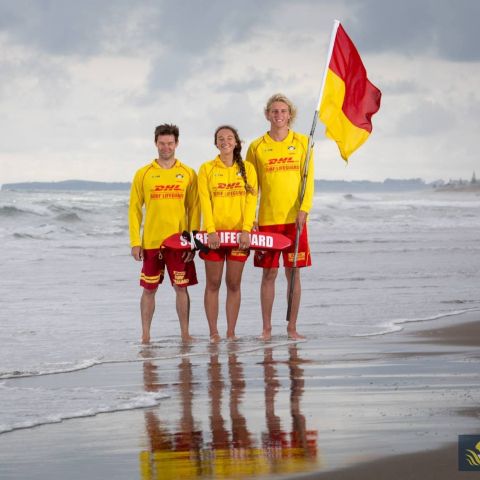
(267, 296)
(297, 292)
(183, 312)
(147, 308)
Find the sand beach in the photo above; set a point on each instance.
(389, 406)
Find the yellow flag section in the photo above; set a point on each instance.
(349, 99)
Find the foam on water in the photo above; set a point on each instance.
(69, 287)
(398, 325)
(42, 406)
(82, 365)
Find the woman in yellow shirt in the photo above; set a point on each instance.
(228, 196)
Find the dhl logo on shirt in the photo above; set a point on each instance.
(280, 161)
(167, 188)
(281, 164)
(229, 186)
(172, 191)
(233, 189)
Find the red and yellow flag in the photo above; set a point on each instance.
(349, 99)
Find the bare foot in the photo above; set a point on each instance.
(232, 338)
(215, 338)
(266, 335)
(188, 339)
(145, 339)
(295, 336)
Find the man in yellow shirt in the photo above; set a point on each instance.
(168, 190)
(279, 157)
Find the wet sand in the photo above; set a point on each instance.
(440, 463)
(389, 406)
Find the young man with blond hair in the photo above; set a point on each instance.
(279, 158)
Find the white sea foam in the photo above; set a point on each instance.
(398, 325)
(45, 406)
(70, 291)
(82, 365)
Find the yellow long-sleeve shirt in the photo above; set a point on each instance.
(170, 197)
(225, 203)
(279, 167)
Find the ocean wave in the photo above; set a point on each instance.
(30, 236)
(82, 365)
(350, 197)
(367, 241)
(52, 406)
(457, 302)
(56, 208)
(11, 211)
(321, 218)
(399, 324)
(244, 346)
(68, 217)
(115, 232)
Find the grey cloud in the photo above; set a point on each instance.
(34, 76)
(254, 79)
(174, 34)
(443, 27)
(425, 119)
(55, 26)
(192, 26)
(89, 26)
(401, 87)
(190, 31)
(168, 70)
(447, 29)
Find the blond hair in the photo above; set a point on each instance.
(280, 97)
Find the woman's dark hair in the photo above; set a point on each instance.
(237, 155)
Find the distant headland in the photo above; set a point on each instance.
(353, 186)
(67, 185)
(459, 185)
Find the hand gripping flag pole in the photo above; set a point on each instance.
(346, 103)
(305, 170)
(298, 230)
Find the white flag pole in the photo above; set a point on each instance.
(336, 24)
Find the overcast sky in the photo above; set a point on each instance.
(84, 83)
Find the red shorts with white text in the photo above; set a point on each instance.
(271, 258)
(181, 273)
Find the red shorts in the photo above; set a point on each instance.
(271, 258)
(221, 254)
(181, 273)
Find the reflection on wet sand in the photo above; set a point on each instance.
(228, 449)
(172, 454)
(294, 451)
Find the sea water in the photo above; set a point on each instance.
(69, 294)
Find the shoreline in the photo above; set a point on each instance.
(316, 409)
(440, 463)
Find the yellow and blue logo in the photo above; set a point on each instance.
(469, 453)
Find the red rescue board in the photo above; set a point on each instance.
(229, 239)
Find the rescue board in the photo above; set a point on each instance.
(228, 239)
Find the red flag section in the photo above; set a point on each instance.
(349, 99)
